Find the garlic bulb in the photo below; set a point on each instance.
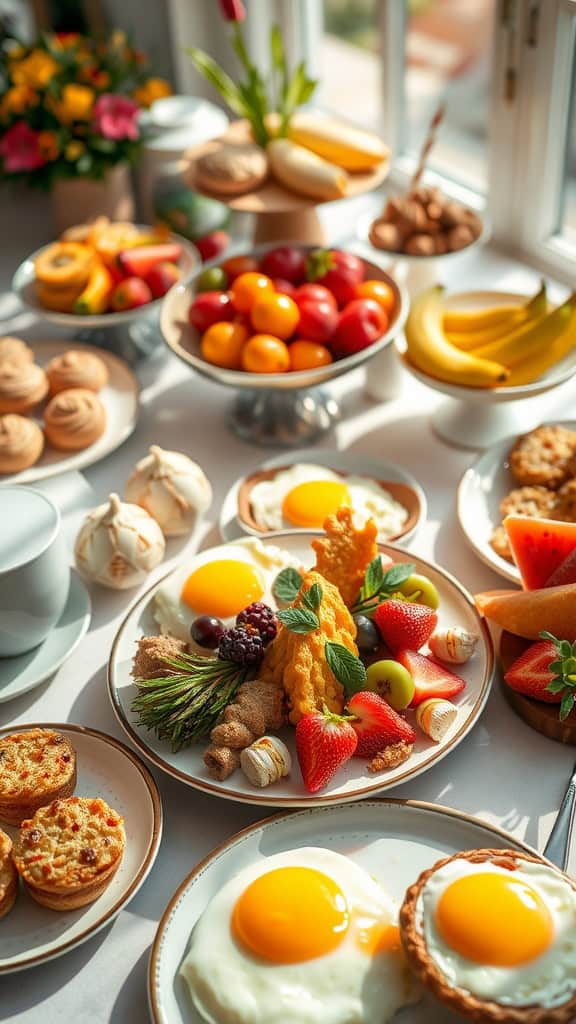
(266, 761)
(172, 488)
(435, 716)
(455, 645)
(118, 544)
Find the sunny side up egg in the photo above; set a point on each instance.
(220, 582)
(303, 495)
(303, 937)
(507, 936)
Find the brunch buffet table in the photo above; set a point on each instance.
(502, 772)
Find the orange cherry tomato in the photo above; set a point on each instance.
(263, 353)
(248, 288)
(222, 344)
(275, 314)
(381, 292)
(306, 355)
(236, 265)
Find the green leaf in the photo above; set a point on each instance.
(565, 649)
(219, 79)
(277, 52)
(346, 667)
(287, 585)
(298, 620)
(397, 574)
(567, 705)
(556, 686)
(373, 578)
(312, 598)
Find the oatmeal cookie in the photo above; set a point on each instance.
(499, 541)
(543, 456)
(537, 502)
(565, 505)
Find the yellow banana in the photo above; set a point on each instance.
(474, 337)
(430, 351)
(530, 339)
(303, 171)
(532, 369)
(345, 145)
(461, 321)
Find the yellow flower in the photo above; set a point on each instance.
(16, 51)
(17, 100)
(152, 89)
(35, 70)
(48, 145)
(75, 104)
(74, 150)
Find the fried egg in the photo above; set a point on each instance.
(502, 935)
(302, 937)
(303, 495)
(219, 582)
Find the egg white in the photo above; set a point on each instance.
(369, 500)
(548, 981)
(230, 986)
(174, 617)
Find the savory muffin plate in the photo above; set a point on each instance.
(120, 399)
(393, 840)
(31, 934)
(353, 780)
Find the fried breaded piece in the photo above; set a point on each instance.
(149, 660)
(221, 761)
(391, 756)
(258, 706)
(543, 456)
(297, 661)
(344, 554)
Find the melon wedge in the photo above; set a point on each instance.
(527, 612)
(540, 547)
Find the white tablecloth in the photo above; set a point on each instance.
(503, 772)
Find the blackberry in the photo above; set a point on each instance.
(243, 646)
(261, 617)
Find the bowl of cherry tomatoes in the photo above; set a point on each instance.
(277, 322)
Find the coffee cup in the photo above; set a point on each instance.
(34, 569)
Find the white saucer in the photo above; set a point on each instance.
(24, 672)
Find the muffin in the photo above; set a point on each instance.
(14, 350)
(8, 875)
(21, 443)
(74, 419)
(69, 851)
(76, 369)
(22, 386)
(35, 767)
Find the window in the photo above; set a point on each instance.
(568, 201)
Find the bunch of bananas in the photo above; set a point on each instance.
(503, 345)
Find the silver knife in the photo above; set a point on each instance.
(557, 848)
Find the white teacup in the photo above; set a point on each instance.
(34, 569)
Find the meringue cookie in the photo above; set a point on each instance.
(22, 386)
(21, 443)
(118, 544)
(14, 350)
(265, 761)
(172, 488)
(74, 419)
(76, 369)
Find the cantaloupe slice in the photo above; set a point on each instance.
(527, 612)
(540, 547)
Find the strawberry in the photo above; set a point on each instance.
(530, 673)
(324, 742)
(377, 725)
(405, 624)
(430, 678)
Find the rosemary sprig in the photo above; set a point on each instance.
(184, 705)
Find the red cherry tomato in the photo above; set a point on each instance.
(236, 265)
(286, 261)
(318, 320)
(210, 308)
(284, 287)
(212, 245)
(317, 292)
(361, 323)
(340, 272)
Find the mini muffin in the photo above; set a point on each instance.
(492, 934)
(543, 456)
(14, 350)
(536, 502)
(74, 419)
(8, 875)
(22, 386)
(35, 767)
(21, 443)
(68, 853)
(76, 369)
(565, 505)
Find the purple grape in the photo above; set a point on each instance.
(206, 631)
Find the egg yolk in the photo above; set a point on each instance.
(308, 504)
(379, 938)
(290, 915)
(222, 588)
(494, 919)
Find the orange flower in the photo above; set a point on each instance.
(74, 150)
(48, 145)
(152, 89)
(16, 100)
(75, 104)
(36, 70)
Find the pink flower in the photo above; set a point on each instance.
(233, 10)
(115, 117)
(20, 150)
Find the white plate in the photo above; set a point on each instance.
(31, 934)
(231, 528)
(353, 780)
(120, 398)
(480, 492)
(393, 840)
(26, 671)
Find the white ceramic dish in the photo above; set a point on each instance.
(26, 671)
(353, 781)
(120, 397)
(479, 494)
(32, 934)
(393, 840)
(231, 527)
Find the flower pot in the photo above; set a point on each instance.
(77, 200)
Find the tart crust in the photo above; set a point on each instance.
(463, 1002)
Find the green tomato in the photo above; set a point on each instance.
(213, 279)
(391, 681)
(428, 593)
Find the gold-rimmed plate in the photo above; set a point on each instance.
(353, 780)
(31, 935)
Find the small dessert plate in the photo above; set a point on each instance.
(25, 671)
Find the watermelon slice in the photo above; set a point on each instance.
(138, 262)
(540, 547)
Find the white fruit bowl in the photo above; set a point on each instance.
(477, 418)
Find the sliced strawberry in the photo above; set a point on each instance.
(376, 724)
(324, 742)
(138, 262)
(405, 624)
(430, 678)
(530, 673)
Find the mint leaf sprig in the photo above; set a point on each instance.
(379, 586)
(564, 668)
(304, 619)
(286, 586)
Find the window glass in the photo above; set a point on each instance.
(350, 65)
(568, 204)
